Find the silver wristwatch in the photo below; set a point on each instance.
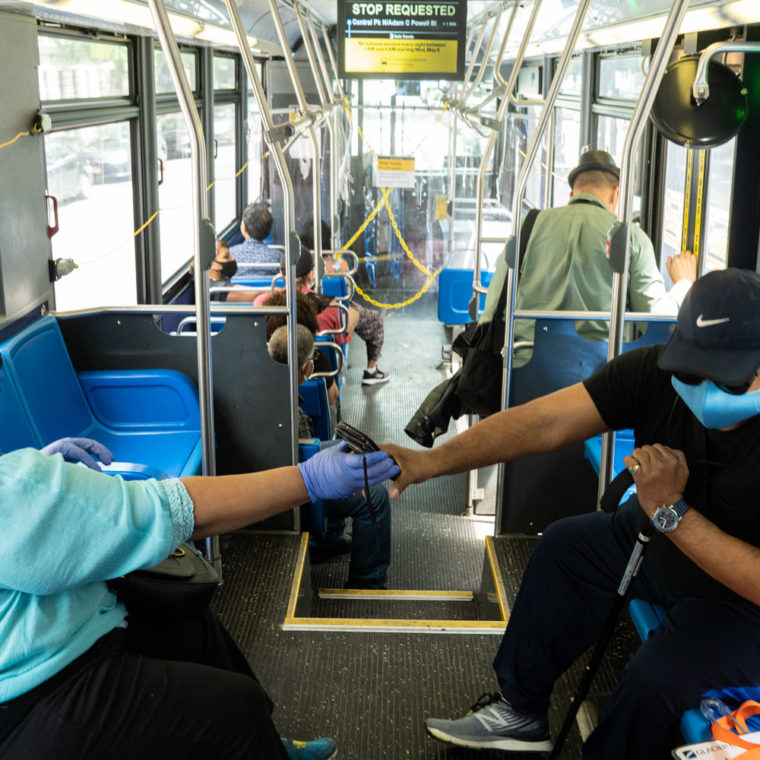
(666, 518)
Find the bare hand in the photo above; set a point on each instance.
(412, 464)
(660, 474)
(682, 266)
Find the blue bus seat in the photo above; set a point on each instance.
(315, 404)
(15, 430)
(264, 283)
(337, 287)
(55, 404)
(454, 294)
(329, 352)
(312, 514)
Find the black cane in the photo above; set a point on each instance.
(615, 490)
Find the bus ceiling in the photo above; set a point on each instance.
(608, 23)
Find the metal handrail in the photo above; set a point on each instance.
(503, 106)
(275, 150)
(199, 173)
(701, 89)
(338, 350)
(517, 200)
(619, 235)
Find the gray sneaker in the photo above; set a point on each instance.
(494, 724)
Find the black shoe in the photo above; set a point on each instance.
(375, 376)
(319, 554)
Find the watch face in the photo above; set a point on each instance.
(666, 519)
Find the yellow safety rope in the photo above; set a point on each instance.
(383, 202)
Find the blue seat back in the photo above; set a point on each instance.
(337, 287)
(313, 514)
(46, 382)
(15, 431)
(455, 293)
(315, 404)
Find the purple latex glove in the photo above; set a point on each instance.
(80, 450)
(335, 473)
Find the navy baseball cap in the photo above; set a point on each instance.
(717, 336)
(594, 160)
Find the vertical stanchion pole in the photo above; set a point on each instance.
(620, 239)
(203, 246)
(288, 218)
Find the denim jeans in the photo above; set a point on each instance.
(370, 543)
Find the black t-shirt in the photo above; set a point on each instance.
(724, 466)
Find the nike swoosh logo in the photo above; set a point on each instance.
(709, 322)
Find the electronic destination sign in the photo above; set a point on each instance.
(391, 40)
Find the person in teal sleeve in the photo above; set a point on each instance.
(78, 679)
(565, 266)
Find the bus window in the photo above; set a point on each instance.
(620, 77)
(224, 164)
(255, 142)
(89, 170)
(162, 76)
(567, 139)
(715, 229)
(175, 194)
(224, 73)
(672, 207)
(72, 69)
(610, 136)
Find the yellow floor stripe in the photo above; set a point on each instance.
(293, 623)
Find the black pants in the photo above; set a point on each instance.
(564, 600)
(164, 688)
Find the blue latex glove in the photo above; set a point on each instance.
(335, 472)
(80, 450)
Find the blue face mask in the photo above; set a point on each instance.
(715, 408)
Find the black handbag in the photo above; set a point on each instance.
(182, 585)
(482, 349)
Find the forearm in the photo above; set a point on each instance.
(544, 424)
(229, 502)
(731, 561)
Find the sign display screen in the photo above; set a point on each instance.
(393, 40)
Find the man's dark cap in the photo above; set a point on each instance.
(594, 160)
(717, 336)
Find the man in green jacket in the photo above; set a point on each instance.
(565, 266)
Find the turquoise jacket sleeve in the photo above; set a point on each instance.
(62, 525)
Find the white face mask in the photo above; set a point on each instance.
(715, 408)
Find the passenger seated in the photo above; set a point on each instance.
(256, 225)
(307, 239)
(306, 316)
(82, 676)
(367, 324)
(566, 266)
(370, 544)
(223, 268)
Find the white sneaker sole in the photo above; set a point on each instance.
(515, 745)
(376, 381)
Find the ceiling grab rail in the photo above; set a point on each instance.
(305, 111)
(619, 239)
(325, 102)
(274, 136)
(475, 111)
(342, 94)
(484, 60)
(456, 112)
(334, 131)
(203, 247)
(477, 287)
(701, 89)
(513, 243)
